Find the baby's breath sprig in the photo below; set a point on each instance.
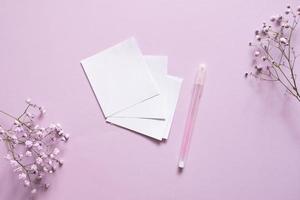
(274, 55)
(33, 151)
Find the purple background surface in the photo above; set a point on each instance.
(247, 139)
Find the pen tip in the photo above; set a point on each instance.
(201, 73)
(181, 164)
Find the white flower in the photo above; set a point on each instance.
(283, 41)
(36, 127)
(58, 125)
(273, 18)
(33, 191)
(36, 144)
(18, 129)
(61, 162)
(39, 160)
(8, 157)
(28, 100)
(45, 169)
(22, 176)
(14, 163)
(28, 143)
(39, 134)
(43, 155)
(28, 153)
(26, 183)
(56, 151)
(50, 162)
(256, 53)
(67, 136)
(258, 38)
(52, 126)
(42, 110)
(33, 167)
(14, 137)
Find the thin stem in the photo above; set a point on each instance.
(18, 120)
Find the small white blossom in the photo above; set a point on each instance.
(45, 169)
(22, 176)
(283, 41)
(28, 101)
(39, 160)
(56, 151)
(34, 167)
(18, 129)
(52, 126)
(28, 143)
(42, 110)
(14, 137)
(28, 153)
(50, 162)
(1, 130)
(33, 191)
(26, 183)
(258, 38)
(60, 133)
(36, 127)
(8, 157)
(39, 134)
(14, 163)
(43, 155)
(61, 162)
(273, 18)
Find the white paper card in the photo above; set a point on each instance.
(155, 107)
(120, 77)
(158, 129)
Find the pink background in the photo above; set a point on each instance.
(246, 144)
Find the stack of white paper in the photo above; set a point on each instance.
(133, 90)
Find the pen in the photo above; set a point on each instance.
(192, 114)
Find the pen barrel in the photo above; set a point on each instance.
(190, 122)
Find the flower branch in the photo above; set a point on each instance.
(274, 55)
(32, 151)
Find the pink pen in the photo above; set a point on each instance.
(192, 114)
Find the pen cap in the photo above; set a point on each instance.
(201, 73)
